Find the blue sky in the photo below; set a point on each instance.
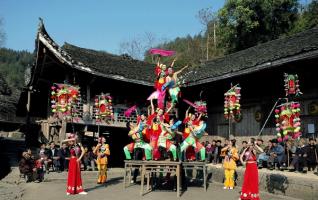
(98, 24)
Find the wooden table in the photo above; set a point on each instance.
(153, 167)
(197, 166)
(130, 165)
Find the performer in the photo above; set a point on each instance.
(167, 136)
(250, 184)
(155, 121)
(102, 151)
(190, 120)
(196, 132)
(172, 82)
(74, 179)
(229, 164)
(136, 133)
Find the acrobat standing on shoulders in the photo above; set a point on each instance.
(172, 83)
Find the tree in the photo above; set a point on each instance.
(137, 46)
(308, 18)
(246, 23)
(207, 18)
(2, 33)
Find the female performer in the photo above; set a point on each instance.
(74, 179)
(102, 151)
(229, 164)
(250, 183)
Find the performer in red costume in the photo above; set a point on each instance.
(250, 189)
(74, 179)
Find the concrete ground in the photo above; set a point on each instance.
(54, 186)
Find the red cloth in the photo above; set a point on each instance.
(190, 153)
(196, 122)
(186, 120)
(166, 117)
(150, 119)
(74, 180)
(250, 184)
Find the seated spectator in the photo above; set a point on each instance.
(300, 159)
(277, 155)
(39, 169)
(85, 158)
(27, 167)
(262, 159)
(92, 159)
(209, 151)
(312, 154)
(244, 145)
(260, 150)
(64, 154)
(290, 151)
(43, 154)
(53, 156)
(217, 152)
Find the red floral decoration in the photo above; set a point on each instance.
(288, 121)
(232, 106)
(63, 99)
(292, 84)
(103, 107)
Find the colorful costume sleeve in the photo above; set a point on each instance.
(166, 117)
(150, 118)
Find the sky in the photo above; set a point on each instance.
(100, 24)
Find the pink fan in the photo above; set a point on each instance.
(128, 112)
(162, 52)
(190, 103)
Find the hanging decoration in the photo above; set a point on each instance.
(103, 108)
(232, 106)
(292, 84)
(288, 121)
(64, 99)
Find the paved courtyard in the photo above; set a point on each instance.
(53, 188)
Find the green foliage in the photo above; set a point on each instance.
(190, 51)
(13, 65)
(246, 23)
(308, 18)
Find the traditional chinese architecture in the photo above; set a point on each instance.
(260, 72)
(92, 75)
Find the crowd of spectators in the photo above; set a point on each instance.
(292, 155)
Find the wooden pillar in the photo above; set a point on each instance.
(88, 94)
(28, 126)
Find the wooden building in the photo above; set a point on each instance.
(260, 72)
(128, 81)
